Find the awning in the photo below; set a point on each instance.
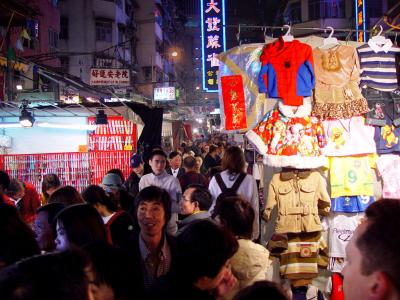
(18, 66)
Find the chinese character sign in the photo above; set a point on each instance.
(118, 77)
(361, 25)
(234, 104)
(213, 40)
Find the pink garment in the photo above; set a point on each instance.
(348, 137)
(389, 169)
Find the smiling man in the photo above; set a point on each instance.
(153, 250)
(159, 177)
(372, 270)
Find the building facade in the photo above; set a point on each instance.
(96, 33)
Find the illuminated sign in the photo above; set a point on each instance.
(212, 40)
(361, 34)
(102, 76)
(164, 94)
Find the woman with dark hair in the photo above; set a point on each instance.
(17, 239)
(234, 181)
(119, 224)
(251, 261)
(50, 184)
(78, 225)
(67, 195)
(152, 248)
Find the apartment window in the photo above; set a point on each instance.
(53, 40)
(121, 37)
(293, 13)
(64, 28)
(104, 31)
(321, 9)
(119, 3)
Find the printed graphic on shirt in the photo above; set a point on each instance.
(387, 133)
(389, 169)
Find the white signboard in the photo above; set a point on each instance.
(164, 94)
(102, 76)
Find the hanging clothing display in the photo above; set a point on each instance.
(378, 65)
(351, 204)
(287, 71)
(290, 138)
(347, 137)
(306, 252)
(336, 108)
(350, 176)
(337, 94)
(341, 228)
(384, 107)
(389, 169)
(300, 196)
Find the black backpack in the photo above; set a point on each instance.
(232, 191)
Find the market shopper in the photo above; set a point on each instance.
(68, 195)
(211, 159)
(251, 262)
(233, 166)
(17, 240)
(60, 276)
(153, 250)
(118, 223)
(50, 184)
(201, 270)
(131, 185)
(77, 226)
(159, 177)
(25, 198)
(43, 225)
(372, 270)
(195, 203)
(175, 164)
(191, 175)
(112, 184)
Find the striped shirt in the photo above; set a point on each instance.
(378, 66)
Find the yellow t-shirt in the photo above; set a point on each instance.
(352, 176)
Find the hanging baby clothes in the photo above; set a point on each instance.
(389, 169)
(290, 138)
(351, 204)
(337, 94)
(351, 176)
(378, 65)
(306, 252)
(341, 228)
(300, 196)
(347, 137)
(287, 71)
(337, 292)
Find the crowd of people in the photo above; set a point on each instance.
(183, 225)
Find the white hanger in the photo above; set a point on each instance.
(379, 39)
(287, 37)
(330, 41)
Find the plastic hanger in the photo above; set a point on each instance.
(379, 39)
(330, 40)
(287, 37)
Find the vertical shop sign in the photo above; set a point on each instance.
(212, 40)
(360, 20)
(234, 104)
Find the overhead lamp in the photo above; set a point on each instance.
(174, 53)
(19, 87)
(197, 87)
(26, 119)
(101, 118)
